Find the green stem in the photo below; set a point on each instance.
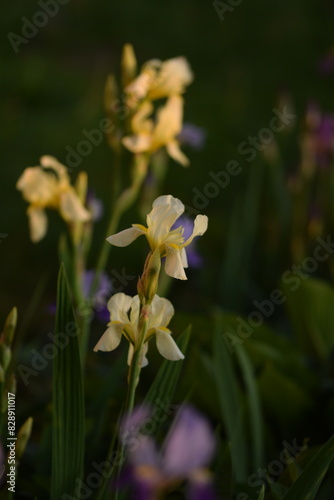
(122, 204)
(134, 373)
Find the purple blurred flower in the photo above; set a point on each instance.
(320, 135)
(100, 298)
(184, 456)
(195, 259)
(94, 205)
(193, 136)
(326, 64)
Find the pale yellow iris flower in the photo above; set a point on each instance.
(148, 136)
(48, 186)
(124, 315)
(171, 243)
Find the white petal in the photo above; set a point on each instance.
(184, 258)
(48, 161)
(161, 313)
(169, 122)
(144, 358)
(71, 208)
(138, 143)
(38, 223)
(134, 312)
(165, 211)
(119, 306)
(175, 152)
(110, 339)
(166, 346)
(174, 75)
(200, 226)
(38, 187)
(124, 238)
(173, 264)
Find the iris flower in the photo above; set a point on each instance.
(159, 79)
(184, 456)
(124, 315)
(48, 186)
(169, 242)
(148, 136)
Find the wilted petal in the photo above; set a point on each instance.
(174, 151)
(111, 338)
(166, 345)
(200, 226)
(124, 238)
(161, 313)
(119, 305)
(38, 223)
(189, 445)
(173, 264)
(71, 207)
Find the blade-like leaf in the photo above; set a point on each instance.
(163, 386)
(68, 399)
(307, 484)
(254, 405)
(230, 405)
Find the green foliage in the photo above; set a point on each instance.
(68, 401)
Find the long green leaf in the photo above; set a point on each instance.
(255, 413)
(307, 484)
(231, 405)
(163, 387)
(68, 400)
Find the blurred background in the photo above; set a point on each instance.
(247, 60)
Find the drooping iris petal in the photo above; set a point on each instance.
(38, 223)
(174, 151)
(124, 238)
(173, 264)
(111, 338)
(161, 312)
(166, 345)
(189, 445)
(71, 207)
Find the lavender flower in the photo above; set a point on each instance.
(195, 259)
(103, 292)
(193, 136)
(95, 206)
(185, 453)
(319, 139)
